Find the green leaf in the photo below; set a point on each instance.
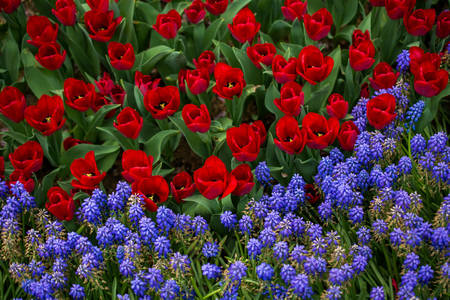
(128, 34)
(350, 10)
(106, 162)
(40, 80)
(233, 9)
(316, 96)
(271, 94)
(199, 205)
(146, 60)
(366, 23)
(82, 50)
(123, 141)
(11, 55)
(81, 150)
(238, 104)
(306, 168)
(431, 109)
(228, 52)
(211, 32)
(155, 144)
(46, 183)
(201, 147)
(297, 33)
(97, 119)
(252, 74)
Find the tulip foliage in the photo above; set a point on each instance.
(95, 91)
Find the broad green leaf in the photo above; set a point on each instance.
(297, 33)
(46, 183)
(40, 80)
(211, 32)
(431, 109)
(306, 168)
(252, 74)
(11, 56)
(233, 9)
(199, 205)
(82, 50)
(316, 96)
(97, 119)
(123, 141)
(228, 52)
(80, 151)
(128, 34)
(271, 94)
(146, 60)
(201, 147)
(155, 144)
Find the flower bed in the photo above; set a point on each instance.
(224, 149)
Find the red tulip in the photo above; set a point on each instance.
(361, 57)
(319, 24)
(167, 25)
(27, 157)
(182, 186)
(313, 66)
(396, 9)
(206, 60)
(291, 139)
(284, 71)
(129, 123)
(244, 26)
(320, 132)
(337, 106)
(41, 31)
(195, 12)
(244, 178)
(100, 5)
(291, 99)
(9, 6)
(244, 142)
(197, 81)
(347, 135)
(105, 84)
(154, 190)
(258, 126)
(213, 180)
(66, 12)
(121, 56)
(60, 204)
(12, 103)
(101, 24)
(377, 2)
(25, 179)
(47, 115)
(294, 9)
(381, 110)
(136, 164)
(86, 173)
(162, 101)
(145, 82)
(216, 7)
(79, 95)
(70, 142)
(50, 57)
(443, 24)
(383, 76)
(419, 21)
(261, 54)
(196, 118)
(229, 81)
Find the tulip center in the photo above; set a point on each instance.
(162, 105)
(89, 174)
(231, 84)
(47, 120)
(79, 97)
(288, 139)
(319, 133)
(153, 197)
